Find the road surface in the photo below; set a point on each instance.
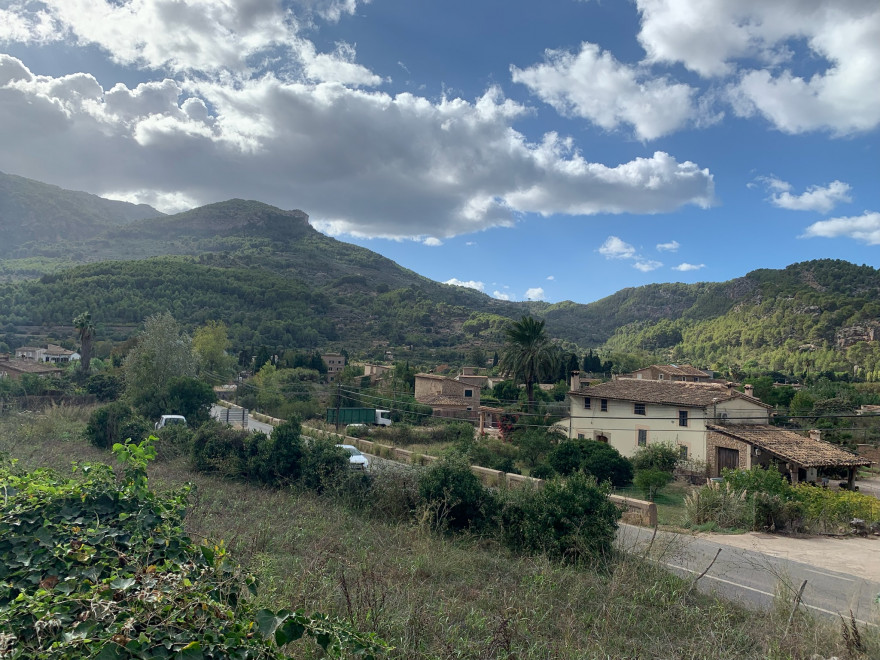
(753, 577)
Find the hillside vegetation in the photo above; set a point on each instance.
(278, 282)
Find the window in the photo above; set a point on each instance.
(638, 409)
(586, 403)
(580, 436)
(682, 453)
(643, 437)
(603, 405)
(682, 417)
(468, 394)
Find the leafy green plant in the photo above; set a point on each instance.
(651, 481)
(658, 456)
(568, 518)
(114, 423)
(454, 496)
(89, 569)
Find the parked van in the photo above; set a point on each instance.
(168, 420)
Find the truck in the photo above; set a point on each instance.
(359, 416)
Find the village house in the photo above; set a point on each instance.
(335, 363)
(469, 376)
(15, 368)
(448, 397)
(52, 353)
(708, 422)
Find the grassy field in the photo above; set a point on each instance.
(669, 501)
(435, 597)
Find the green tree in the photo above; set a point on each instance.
(527, 356)
(163, 353)
(86, 332)
(210, 343)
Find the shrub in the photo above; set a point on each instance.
(105, 387)
(830, 511)
(172, 441)
(534, 445)
(567, 457)
(218, 448)
(191, 398)
(718, 503)
(651, 481)
(493, 454)
(658, 456)
(323, 464)
(571, 518)
(454, 495)
(606, 464)
(543, 471)
(114, 423)
(758, 480)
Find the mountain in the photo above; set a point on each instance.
(34, 213)
(277, 281)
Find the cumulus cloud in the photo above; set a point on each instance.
(647, 265)
(615, 248)
(551, 277)
(432, 242)
(455, 166)
(864, 228)
(671, 246)
(685, 267)
(500, 295)
(593, 85)
(753, 41)
(469, 284)
(815, 198)
(535, 293)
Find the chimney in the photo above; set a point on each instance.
(815, 434)
(750, 390)
(575, 381)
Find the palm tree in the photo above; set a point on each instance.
(86, 331)
(527, 355)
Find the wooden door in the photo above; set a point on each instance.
(727, 458)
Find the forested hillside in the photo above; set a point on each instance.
(278, 282)
(34, 214)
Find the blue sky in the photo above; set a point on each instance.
(559, 150)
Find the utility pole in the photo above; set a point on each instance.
(338, 405)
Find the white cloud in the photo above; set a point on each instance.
(815, 198)
(501, 295)
(864, 228)
(671, 246)
(470, 243)
(455, 166)
(551, 277)
(647, 265)
(593, 85)
(754, 40)
(685, 267)
(470, 284)
(432, 242)
(615, 248)
(536, 293)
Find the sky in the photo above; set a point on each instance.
(554, 150)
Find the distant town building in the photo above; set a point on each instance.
(448, 397)
(52, 353)
(335, 363)
(671, 372)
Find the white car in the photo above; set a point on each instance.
(356, 459)
(168, 420)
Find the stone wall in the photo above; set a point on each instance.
(715, 440)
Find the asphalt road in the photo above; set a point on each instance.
(753, 578)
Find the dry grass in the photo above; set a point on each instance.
(434, 597)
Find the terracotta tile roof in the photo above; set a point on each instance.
(680, 370)
(432, 376)
(673, 393)
(791, 446)
(28, 367)
(446, 400)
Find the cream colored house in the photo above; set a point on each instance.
(708, 422)
(448, 397)
(630, 413)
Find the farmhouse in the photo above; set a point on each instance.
(708, 422)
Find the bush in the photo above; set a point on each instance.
(454, 495)
(571, 519)
(567, 457)
(323, 464)
(493, 454)
(115, 422)
(658, 456)
(534, 445)
(543, 471)
(172, 441)
(191, 398)
(758, 480)
(105, 387)
(221, 449)
(606, 464)
(718, 503)
(651, 481)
